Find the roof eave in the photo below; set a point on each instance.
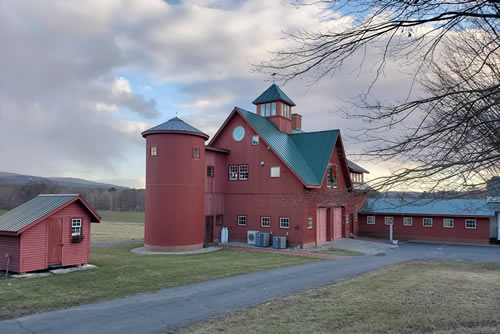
(152, 132)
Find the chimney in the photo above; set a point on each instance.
(297, 121)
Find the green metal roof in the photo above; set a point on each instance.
(307, 154)
(356, 167)
(175, 125)
(273, 93)
(462, 207)
(31, 211)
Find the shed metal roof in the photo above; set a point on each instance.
(31, 211)
(273, 93)
(452, 207)
(307, 154)
(356, 167)
(174, 125)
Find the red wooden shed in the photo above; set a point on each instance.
(48, 231)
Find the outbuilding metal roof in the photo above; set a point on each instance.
(31, 211)
(273, 93)
(174, 125)
(356, 167)
(452, 207)
(306, 153)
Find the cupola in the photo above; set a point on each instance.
(276, 106)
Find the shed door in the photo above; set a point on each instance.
(337, 223)
(54, 237)
(322, 224)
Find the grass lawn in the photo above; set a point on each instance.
(2, 212)
(340, 251)
(111, 231)
(416, 297)
(122, 216)
(122, 273)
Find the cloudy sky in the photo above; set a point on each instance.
(80, 80)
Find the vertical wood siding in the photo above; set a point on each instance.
(75, 253)
(34, 248)
(9, 245)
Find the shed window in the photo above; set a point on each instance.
(407, 221)
(370, 220)
(275, 171)
(265, 221)
(389, 220)
(284, 222)
(76, 226)
(242, 220)
(448, 223)
(154, 151)
(470, 223)
(427, 222)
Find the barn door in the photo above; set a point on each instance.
(54, 240)
(321, 224)
(209, 222)
(337, 223)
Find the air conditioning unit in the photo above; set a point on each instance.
(263, 239)
(251, 237)
(279, 242)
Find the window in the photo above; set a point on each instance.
(218, 220)
(427, 222)
(210, 171)
(196, 152)
(448, 223)
(243, 172)
(268, 109)
(255, 140)
(347, 219)
(357, 177)
(233, 173)
(242, 220)
(285, 110)
(370, 220)
(76, 226)
(284, 222)
(154, 151)
(389, 220)
(355, 217)
(273, 109)
(407, 221)
(265, 221)
(309, 222)
(275, 172)
(331, 176)
(262, 109)
(470, 223)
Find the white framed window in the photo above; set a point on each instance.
(407, 221)
(273, 109)
(233, 173)
(275, 171)
(242, 220)
(309, 223)
(427, 222)
(470, 224)
(76, 226)
(255, 140)
(284, 222)
(448, 223)
(154, 151)
(265, 221)
(243, 172)
(370, 220)
(388, 220)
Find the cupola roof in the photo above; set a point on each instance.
(273, 93)
(175, 125)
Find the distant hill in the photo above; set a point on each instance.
(66, 182)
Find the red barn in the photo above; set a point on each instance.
(260, 172)
(48, 231)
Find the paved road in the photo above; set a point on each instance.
(177, 307)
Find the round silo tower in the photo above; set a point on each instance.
(175, 172)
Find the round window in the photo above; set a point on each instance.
(238, 133)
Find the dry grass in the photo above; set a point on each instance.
(416, 297)
(110, 231)
(340, 251)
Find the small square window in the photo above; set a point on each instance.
(233, 173)
(196, 152)
(407, 221)
(370, 220)
(389, 220)
(284, 222)
(243, 172)
(448, 223)
(275, 172)
(255, 140)
(210, 171)
(265, 221)
(154, 151)
(470, 224)
(76, 226)
(309, 222)
(427, 222)
(242, 220)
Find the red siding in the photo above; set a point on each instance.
(34, 248)
(9, 245)
(435, 233)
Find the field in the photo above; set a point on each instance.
(122, 216)
(111, 232)
(416, 297)
(2, 212)
(122, 273)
